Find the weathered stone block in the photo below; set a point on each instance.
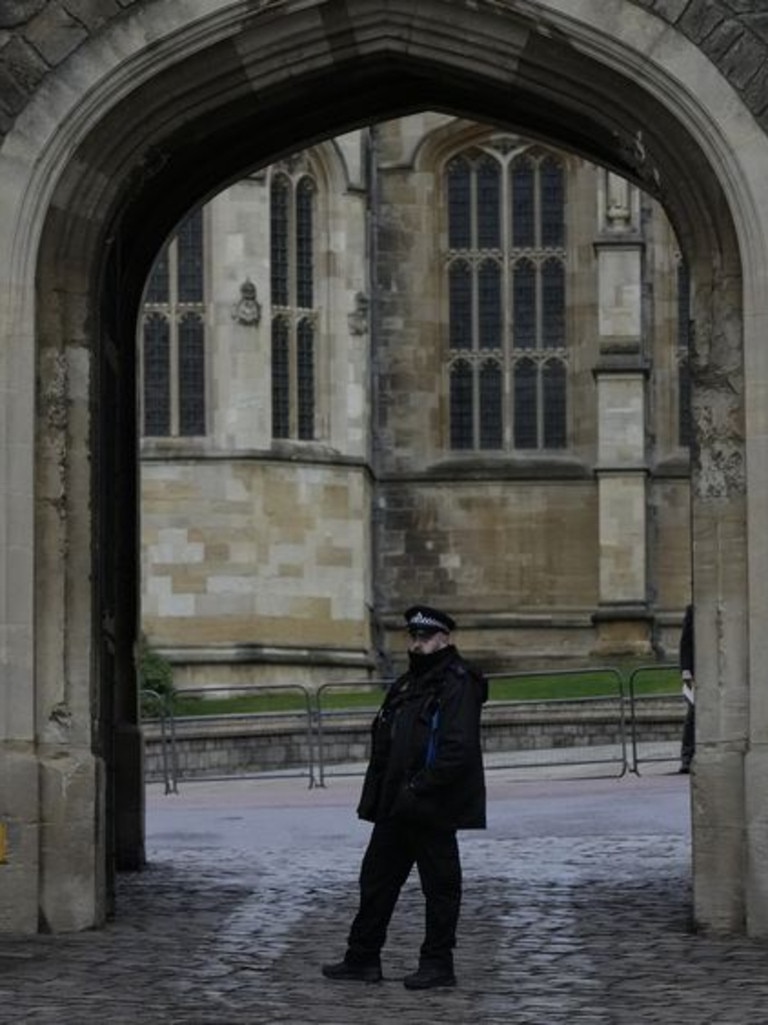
(55, 34)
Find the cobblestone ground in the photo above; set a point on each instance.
(584, 929)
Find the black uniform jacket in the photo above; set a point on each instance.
(426, 762)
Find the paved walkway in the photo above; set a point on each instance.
(576, 911)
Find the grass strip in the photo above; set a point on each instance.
(534, 687)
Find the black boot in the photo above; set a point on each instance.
(351, 971)
(431, 975)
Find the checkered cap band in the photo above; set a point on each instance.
(420, 620)
(421, 617)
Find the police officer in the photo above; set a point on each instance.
(425, 780)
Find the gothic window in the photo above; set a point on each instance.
(157, 375)
(280, 379)
(190, 257)
(292, 201)
(462, 406)
(540, 406)
(459, 200)
(524, 305)
(490, 405)
(552, 304)
(553, 405)
(552, 204)
(279, 197)
(172, 332)
(461, 303)
(526, 405)
(523, 206)
(488, 178)
(506, 300)
(489, 305)
(304, 194)
(191, 374)
(684, 418)
(306, 380)
(158, 287)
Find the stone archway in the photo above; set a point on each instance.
(125, 141)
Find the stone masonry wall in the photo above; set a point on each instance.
(36, 36)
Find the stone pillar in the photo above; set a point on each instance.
(727, 806)
(70, 774)
(622, 620)
(19, 771)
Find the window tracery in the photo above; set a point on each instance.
(506, 298)
(292, 200)
(172, 332)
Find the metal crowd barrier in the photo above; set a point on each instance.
(306, 714)
(615, 756)
(611, 754)
(635, 700)
(323, 714)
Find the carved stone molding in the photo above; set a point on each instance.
(247, 310)
(358, 318)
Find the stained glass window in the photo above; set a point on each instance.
(159, 281)
(522, 207)
(460, 301)
(279, 196)
(190, 258)
(553, 401)
(491, 422)
(191, 375)
(524, 305)
(507, 295)
(552, 203)
(157, 376)
(489, 305)
(173, 336)
(304, 243)
(306, 381)
(488, 204)
(459, 198)
(526, 404)
(281, 398)
(553, 304)
(293, 334)
(462, 413)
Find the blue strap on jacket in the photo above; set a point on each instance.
(432, 745)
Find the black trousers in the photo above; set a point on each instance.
(392, 851)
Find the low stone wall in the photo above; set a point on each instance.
(232, 745)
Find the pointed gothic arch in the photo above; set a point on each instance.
(140, 126)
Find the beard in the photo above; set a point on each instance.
(419, 662)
